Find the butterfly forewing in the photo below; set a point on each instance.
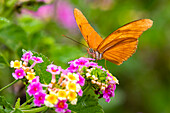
(92, 38)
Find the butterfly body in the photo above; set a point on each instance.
(95, 54)
(119, 45)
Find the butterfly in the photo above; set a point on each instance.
(119, 45)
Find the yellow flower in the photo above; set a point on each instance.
(71, 86)
(72, 77)
(30, 76)
(72, 95)
(52, 98)
(115, 79)
(16, 64)
(62, 94)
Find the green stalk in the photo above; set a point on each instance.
(8, 85)
(35, 110)
(27, 102)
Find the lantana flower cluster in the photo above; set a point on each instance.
(66, 84)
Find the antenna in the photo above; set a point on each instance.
(74, 40)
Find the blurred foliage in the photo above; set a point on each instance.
(144, 78)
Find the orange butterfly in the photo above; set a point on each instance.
(119, 45)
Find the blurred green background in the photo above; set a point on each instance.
(38, 25)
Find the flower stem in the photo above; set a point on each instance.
(35, 110)
(87, 88)
(8, 85)
(27, 102)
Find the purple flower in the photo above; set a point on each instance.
(53, 69)
(80, 93)
(64, 12)
(72, 68)
(39, 98)
(37, 59)
(34, 88)
(19, 74)
(81, 80)
(27, 56)
(61, 106)
(108, 93)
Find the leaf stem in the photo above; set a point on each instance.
(27, 102)
(8, 85)
(35, 110)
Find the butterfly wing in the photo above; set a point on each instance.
(122, 43)
(92, 38)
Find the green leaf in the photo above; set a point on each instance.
(32, 5)
(3, 22)
(40, 68)
(87, 104)
(17, 111)
(3, 61)
(5, 107)
(13, 36)
(30, 24)
(17, 104)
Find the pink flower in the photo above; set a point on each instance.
(27, 56)
(36, 79)
(80, 93)
(45, 12)
(81, 80)
(64, 12)
(81, 62)
(39, 98)
(93, 64)
(19, 74)
(37, 59)
(72, 68)
(67, 111)
(34, 88)
(53, 69)
(61, 106)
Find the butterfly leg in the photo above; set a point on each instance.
(85, 55)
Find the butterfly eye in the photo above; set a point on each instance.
(91, 50)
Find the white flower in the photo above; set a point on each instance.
(78, 87)
(94, 77)
(48, 104)
(93, 81)
(74, 102)
(98, 83)
(102, 88)
(88, 75)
